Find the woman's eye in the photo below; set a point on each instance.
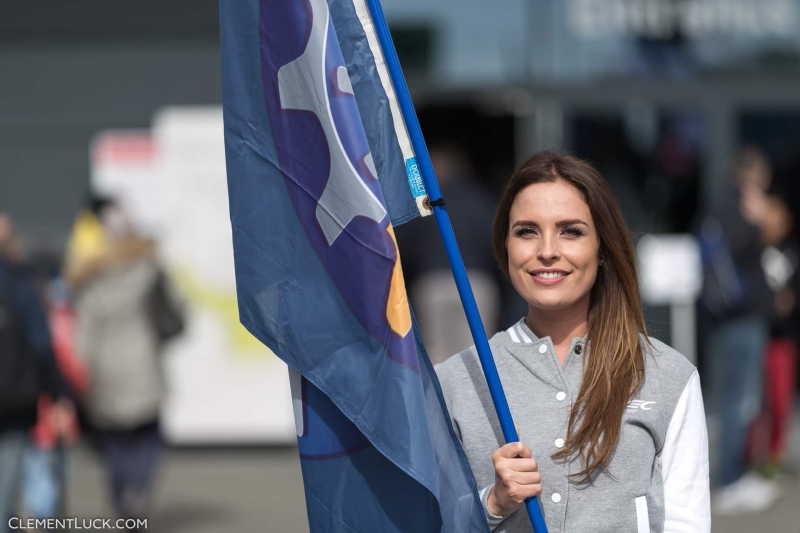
(572, 231)
(524, 232)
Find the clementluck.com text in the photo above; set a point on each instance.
(68, 524)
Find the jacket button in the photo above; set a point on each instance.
(561, 395)
(556, 497)
(559, 443)
(578, 349)
(542, 348)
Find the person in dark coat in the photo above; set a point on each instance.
(27, 365)
(738, 302)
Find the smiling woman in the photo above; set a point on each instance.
(552, 243)
(613, 418)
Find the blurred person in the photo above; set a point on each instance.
(27, 366)
(114, 275)
(45, 461)
(615, 418)
(780, 261)
(737, 302)
(431, 287)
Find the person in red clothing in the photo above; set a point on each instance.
(780, 261)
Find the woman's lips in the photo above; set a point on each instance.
(552, 280)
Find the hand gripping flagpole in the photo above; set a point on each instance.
(450, 245)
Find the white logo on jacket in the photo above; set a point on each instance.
(638, 405)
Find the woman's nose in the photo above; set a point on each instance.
(548, 249)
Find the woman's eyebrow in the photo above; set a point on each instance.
(571, 222)
(524, 223)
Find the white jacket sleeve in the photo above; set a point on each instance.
(493, 520)
(684, 465)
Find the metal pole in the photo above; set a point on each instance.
(450, 245)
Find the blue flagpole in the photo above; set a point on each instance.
(450, 245)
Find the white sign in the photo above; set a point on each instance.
(227, 385)
(670, 269)
(659, 19)
(671, 273)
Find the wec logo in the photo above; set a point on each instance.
(638, 405)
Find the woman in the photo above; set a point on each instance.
(113, 272)
(611, 422)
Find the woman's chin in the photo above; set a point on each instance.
(549, 304)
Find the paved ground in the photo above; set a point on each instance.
(232, 491)
(783, 518)
(203, 491)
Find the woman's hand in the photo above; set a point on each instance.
(516, 478)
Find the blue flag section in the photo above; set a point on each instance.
(319, 168)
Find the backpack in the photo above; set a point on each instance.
(20, 369)
(166, 316)
(725, 289)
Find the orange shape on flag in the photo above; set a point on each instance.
(397, 311)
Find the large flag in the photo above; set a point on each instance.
(319, 169)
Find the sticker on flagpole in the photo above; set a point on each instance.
(417, 186)
(415, 178)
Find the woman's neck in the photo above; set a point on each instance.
(561, 325)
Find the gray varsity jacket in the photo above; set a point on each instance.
(663, 446)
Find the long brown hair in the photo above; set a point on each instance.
(614, 369)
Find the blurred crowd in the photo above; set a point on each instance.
(80, 344)
(749, 311)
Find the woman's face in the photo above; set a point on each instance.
(553, 246)
(115, 222)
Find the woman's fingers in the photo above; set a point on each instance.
(526, 452)
(528, 478)
(518, 492)
(512, 450)
(509, 451)
(516, 464)
(523, 465)
(524, 477)
(516, 478)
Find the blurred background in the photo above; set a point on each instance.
(112, 182)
